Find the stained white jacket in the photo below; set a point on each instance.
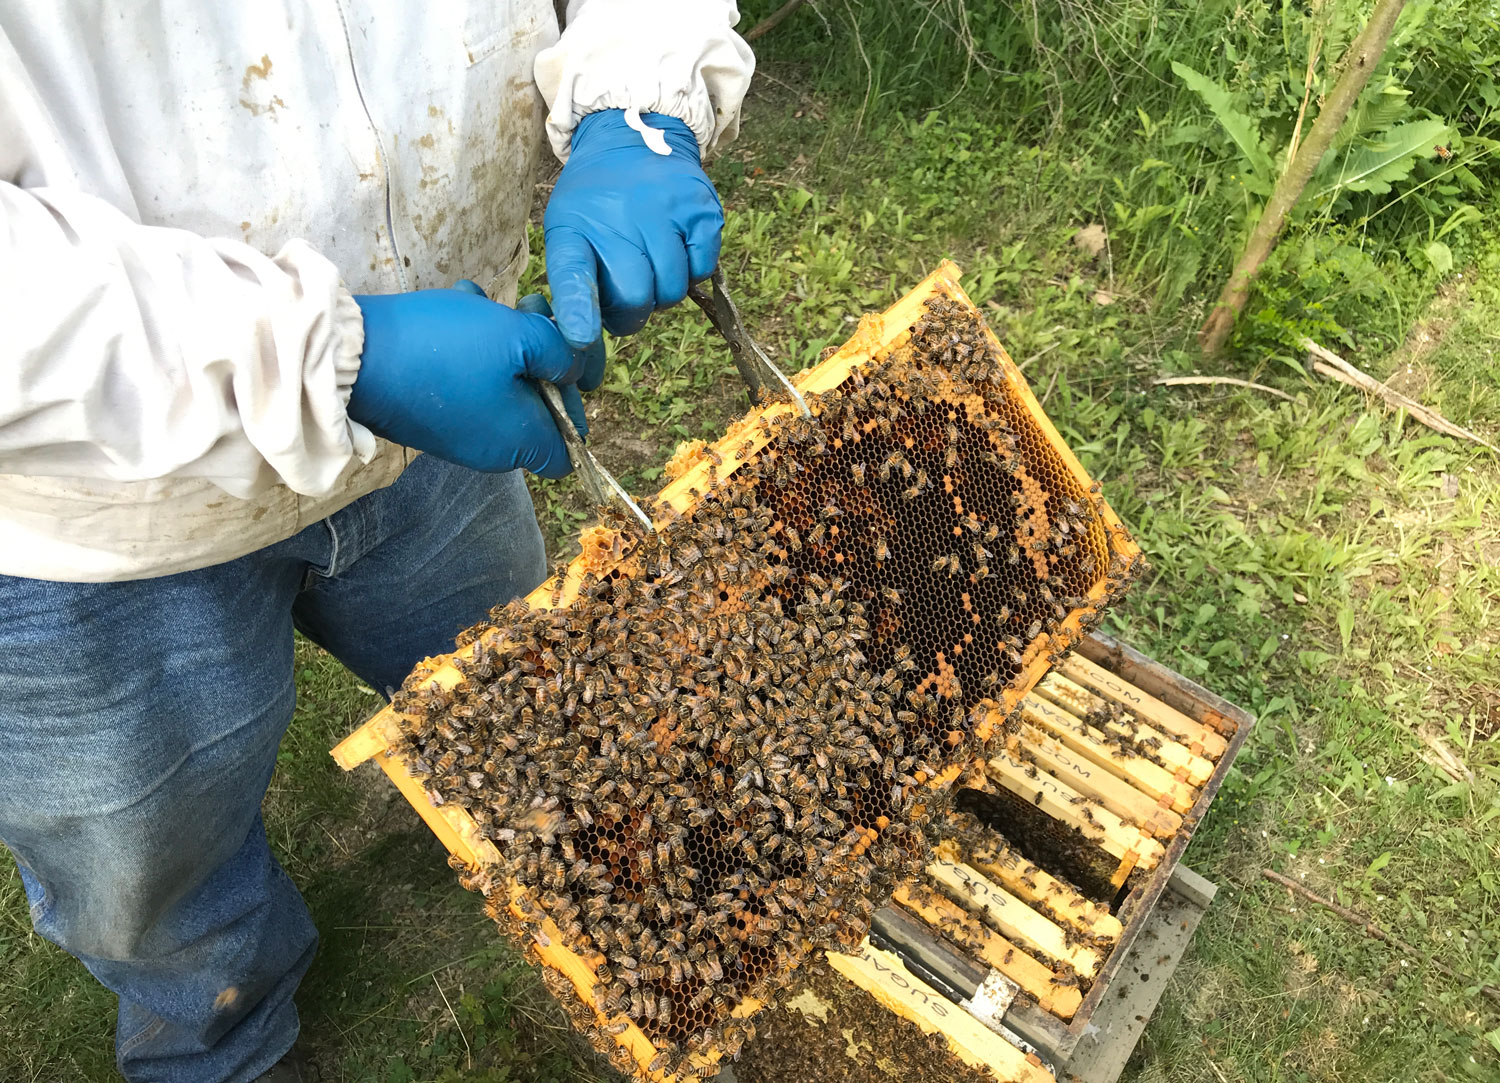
(189, 192)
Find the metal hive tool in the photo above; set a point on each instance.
(903, 565)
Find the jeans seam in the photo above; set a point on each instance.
(39, 909)
(333, 556)
(145, 1034)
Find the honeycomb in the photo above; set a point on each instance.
(721, 755)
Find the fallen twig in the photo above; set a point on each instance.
(1184, 381)
(468, 1052)
(1043, 352)
(770, 22)
(1372, 930)
(1050, 385)
(1335, 367)
(1442, 757)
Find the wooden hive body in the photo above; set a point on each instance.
(1050, 466)
(1054, 861)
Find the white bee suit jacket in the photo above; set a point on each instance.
(190, 191)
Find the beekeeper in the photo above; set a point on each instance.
(229, 238)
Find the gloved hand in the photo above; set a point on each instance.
(592, 360)
(627, 228)
(448, 372)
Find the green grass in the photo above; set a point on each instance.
(1325, 563)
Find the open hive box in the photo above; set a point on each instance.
(1047, 873)
(700, 755)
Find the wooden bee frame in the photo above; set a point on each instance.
(876, 335)
(886, 977)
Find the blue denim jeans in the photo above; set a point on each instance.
(139, 723)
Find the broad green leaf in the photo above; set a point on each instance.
(1313, 661)
(1379, 863)
(1390, 158)
(1239, 126)
(1377, 112)
(1346, 624)
(1440, 256)
(1467, 214)
(1185, 133)
(798, 198)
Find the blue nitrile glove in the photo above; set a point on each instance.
(448, 372)
(627, 228)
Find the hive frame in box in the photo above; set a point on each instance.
(960, 975)
(876, 334)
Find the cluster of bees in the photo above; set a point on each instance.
(1121, 732)
(718, 758)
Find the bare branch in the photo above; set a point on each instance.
(771, 21)
(1335, 367)
(1184, 381)
(1371, 929)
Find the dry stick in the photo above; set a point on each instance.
(1373, 930)
(771, 21)
(1314, 50)
(1050, 385)
(1358, 63)
(468, 1052)
(1335, 367)
(1184, 381)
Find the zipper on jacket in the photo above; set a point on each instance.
(385, 171)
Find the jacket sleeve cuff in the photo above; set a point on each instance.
(681, 58)
(306, 434)
(348, 331)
